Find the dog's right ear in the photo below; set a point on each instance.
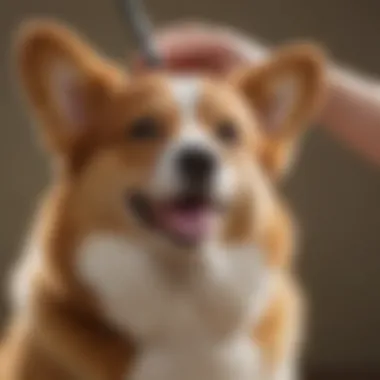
(66, 82)
(286, 93)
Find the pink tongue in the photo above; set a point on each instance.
(191, 224)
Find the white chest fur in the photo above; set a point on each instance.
(192, 321)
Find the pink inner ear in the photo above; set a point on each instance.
(67, 91)
(280, 106)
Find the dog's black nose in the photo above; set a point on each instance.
(196, 165)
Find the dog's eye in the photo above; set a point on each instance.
(145, 128)
(227, 132)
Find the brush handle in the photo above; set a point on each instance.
(141, 28)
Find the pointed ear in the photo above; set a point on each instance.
(65, 81)
(285, 93)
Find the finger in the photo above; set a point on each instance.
(194, 46)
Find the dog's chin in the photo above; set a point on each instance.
(187, 220)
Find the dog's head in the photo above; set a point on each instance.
(166, 159)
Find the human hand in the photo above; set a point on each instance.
(201, 47)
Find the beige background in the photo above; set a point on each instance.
(334, 193)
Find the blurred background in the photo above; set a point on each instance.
(334, 193)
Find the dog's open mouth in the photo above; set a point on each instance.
(188, 218)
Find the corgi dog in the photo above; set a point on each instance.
(162, 249)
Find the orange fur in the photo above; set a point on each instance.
(63, 334)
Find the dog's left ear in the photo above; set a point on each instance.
(285, 93)
(65, 80)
